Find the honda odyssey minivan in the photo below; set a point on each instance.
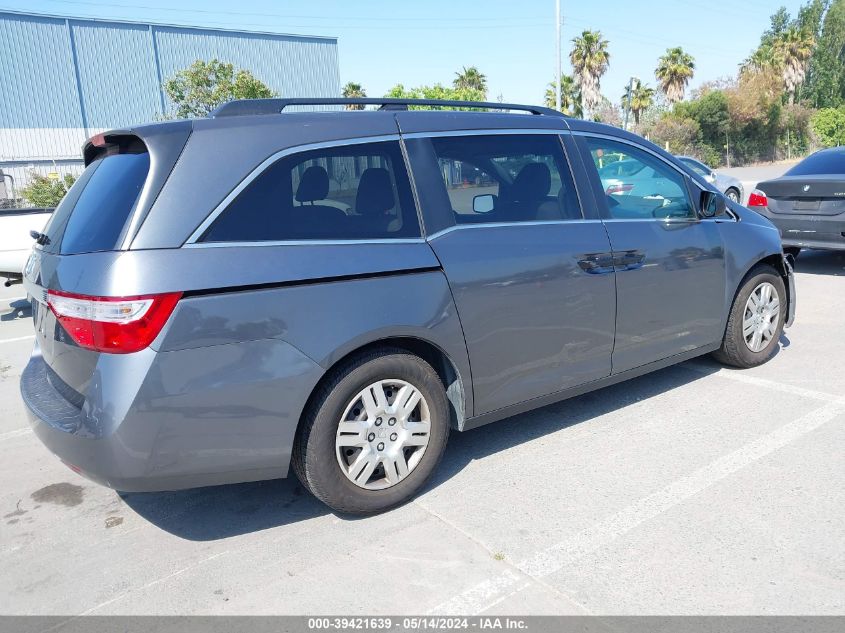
(220, 299)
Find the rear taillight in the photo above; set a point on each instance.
(116, 325)
(612, 189)
(758, 199)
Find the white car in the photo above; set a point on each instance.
(16, 241)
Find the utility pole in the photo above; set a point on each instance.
(557, 55)
(630, 93)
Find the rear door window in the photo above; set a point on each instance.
(358, 191)
(506, 178)
(92, 215)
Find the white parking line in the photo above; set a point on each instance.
(552, 559)
(740, 375)
(19, 338)
(16, 433)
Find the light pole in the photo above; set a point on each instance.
(630, 94)
(557, 55)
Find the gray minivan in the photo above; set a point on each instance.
(218, 299)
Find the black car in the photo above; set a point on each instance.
(807, 203)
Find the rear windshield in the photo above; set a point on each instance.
(92, 215)
(824, 162)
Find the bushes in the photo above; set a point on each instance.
(828, 125)
(46, 192)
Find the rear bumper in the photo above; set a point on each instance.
(179, 428)
(809, 231)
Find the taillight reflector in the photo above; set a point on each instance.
(758, 199)
(116, 325)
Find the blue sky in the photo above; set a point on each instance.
(386, 42)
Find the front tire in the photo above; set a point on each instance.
(756, 320)
(733, 195)
(373, 433)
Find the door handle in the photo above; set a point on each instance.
(628, 260)
(596, 263)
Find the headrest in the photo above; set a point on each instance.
(375, 192)
(532, 183)
(314, 185)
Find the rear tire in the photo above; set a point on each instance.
(363, 445)
(755, 324)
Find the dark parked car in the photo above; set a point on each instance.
(807, 203)
(217, 299)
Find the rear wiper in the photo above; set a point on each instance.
(40, 238)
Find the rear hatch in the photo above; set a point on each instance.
(93, 217)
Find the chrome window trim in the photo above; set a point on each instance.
(270, 160)
(486, 225)
(660, 220)
(386, 240)
(485, 132)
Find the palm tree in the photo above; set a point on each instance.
(589, 59)
(470, 78)
(760, 60)
(570, 100)
(674, 70)
(641, 98)
(354, 91)
(793, 50)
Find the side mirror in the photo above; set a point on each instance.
(484, 203)
(711, 177)
(713, 204)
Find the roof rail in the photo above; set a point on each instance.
(241, 107)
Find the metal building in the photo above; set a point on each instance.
(64, 79)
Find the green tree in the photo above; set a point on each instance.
(589, 57)
(471, 79)
(437, 91)
(674, 71)
(826, 80)
(197, 90)
(354, 91)
(828, 125)
(46, 192)
(638, 99)
(570, 99)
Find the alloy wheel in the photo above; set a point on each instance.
(761, 316)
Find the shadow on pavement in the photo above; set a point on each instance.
(206, 514)
(821, 263)
(20, 309)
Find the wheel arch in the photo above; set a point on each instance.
(454, 383)
(776, 261)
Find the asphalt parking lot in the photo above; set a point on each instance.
(694, 490)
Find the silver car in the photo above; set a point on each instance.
(728, 185)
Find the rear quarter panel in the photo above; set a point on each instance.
(327, 320)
